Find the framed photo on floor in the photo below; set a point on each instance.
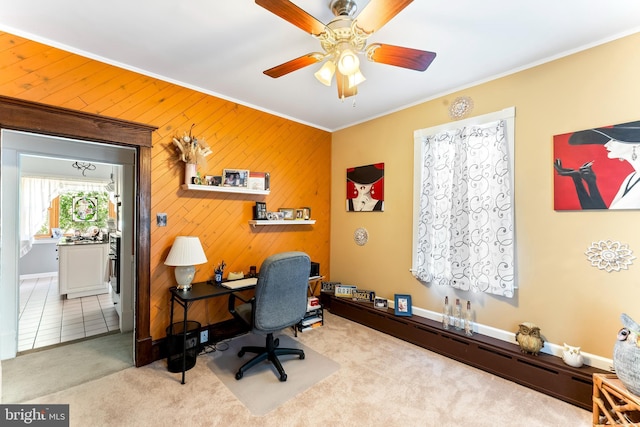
(402, 305)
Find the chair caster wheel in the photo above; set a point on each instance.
(283, 377)
(239, 375)
(240, 354)
(302, 356)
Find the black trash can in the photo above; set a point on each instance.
(177, 346)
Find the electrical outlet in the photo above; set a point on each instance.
(204, 336)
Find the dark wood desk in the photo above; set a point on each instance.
(198, 291)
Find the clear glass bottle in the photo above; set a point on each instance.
(457, 315)
(468, 320)
(446, 314)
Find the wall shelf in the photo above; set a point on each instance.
(221, 189)
(256, 222)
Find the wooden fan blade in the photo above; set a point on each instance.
(293, 14)
(344, 91)
(405, 57)
(379, 12)
(293, 65)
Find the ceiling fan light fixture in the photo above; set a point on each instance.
(348, 62)
(325, 73)
(344, 38)
(356, 78)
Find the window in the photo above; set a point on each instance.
(43, 206)
(463, 204)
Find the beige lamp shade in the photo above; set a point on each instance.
(185, 253)
(325, 73)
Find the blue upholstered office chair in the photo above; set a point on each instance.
(280, 301)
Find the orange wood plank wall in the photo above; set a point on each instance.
(297, 156)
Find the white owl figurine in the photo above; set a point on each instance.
(529, 338)
(571, 356)
(626, 355)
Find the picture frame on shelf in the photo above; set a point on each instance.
(215, 180)
(402, 305)
(344, 291)
(275, 216)
(329, 287)
(288, 213)
(260, 211)
(363, 295)
(258, 180)
(299, 214)
(306, 213)
(235, 177)
(380, 303)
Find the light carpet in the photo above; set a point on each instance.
(42, 372)
(382, 381)
(260, 390)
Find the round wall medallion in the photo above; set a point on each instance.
(360, 236)
(609, 255)
(460, 107)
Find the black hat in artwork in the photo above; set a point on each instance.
(625, 132)
(365, 174)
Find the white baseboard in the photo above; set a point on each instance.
(510, 337)
(10, 347)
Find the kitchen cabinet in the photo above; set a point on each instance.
(41, 259)
(83, 269)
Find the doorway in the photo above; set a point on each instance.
(26, 116)
(47, 316)
(17, 147)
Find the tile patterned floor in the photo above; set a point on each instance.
(47, 318)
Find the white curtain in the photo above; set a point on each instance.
(36, 194)
(465, 228)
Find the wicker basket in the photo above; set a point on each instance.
(626, 355)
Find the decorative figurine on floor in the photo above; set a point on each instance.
(571, 356)
(529, 339)
(626, 355)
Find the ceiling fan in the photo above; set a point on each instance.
(343, 39)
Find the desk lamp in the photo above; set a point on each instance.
(184, 255)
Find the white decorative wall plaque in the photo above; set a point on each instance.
(360, 236)
(610, 256)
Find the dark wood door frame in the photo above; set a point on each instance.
(19, 115)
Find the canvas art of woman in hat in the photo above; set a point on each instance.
(365, 188)
(600, 184)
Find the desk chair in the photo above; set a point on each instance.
(280, 301)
